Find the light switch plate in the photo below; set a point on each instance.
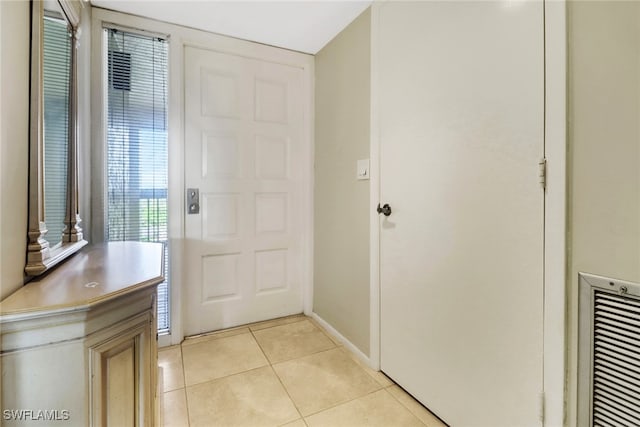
(363, 169)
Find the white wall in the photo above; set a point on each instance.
(14, 128)
(604, 149)
(341, 206)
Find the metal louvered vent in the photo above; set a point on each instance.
(616, 357)
(119, 66)
(609, 372)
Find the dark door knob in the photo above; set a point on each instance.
(386, 209)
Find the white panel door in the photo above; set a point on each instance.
(244, 152)
(460, 98)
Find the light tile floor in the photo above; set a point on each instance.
(283, 372)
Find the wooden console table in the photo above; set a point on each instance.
(79, 345)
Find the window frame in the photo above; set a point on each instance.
(109, 30)
(104, 19)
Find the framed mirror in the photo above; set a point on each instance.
(54, 231)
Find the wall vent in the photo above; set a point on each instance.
(609, 352)
(119, 70)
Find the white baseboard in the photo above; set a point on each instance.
(345, 342)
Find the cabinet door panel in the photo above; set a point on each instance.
(122, 378)
(119, 369)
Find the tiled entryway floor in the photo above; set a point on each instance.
(284, 372)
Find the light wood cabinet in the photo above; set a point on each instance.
(121, 374)
(79, 346)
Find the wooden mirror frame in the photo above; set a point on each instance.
(40, 257)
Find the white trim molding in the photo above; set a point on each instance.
(555, 246)
(374, 197)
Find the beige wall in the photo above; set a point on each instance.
(341, 230)
(604, 148)
(14, 140)
(2, 37)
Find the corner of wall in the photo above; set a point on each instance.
(341, 236)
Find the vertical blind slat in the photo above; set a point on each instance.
(137, 145)
(55, 76)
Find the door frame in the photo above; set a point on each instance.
(179, 37)
(555, 219)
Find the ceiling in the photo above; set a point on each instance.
(304, 26)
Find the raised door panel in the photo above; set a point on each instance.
(246, 159)
(271, 213)
(272, 157)
(220, 277)
(220, 155)
(221, 216)
(271, 101)
(272, 274)
(220, 90)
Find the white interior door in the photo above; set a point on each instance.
(244, 149)
(460, 98)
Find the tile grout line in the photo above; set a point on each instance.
(372, 373)
(334, 345)
(403, 405)
(260, 347)
(278, 377)
(349, 401)
(288, 395)
(250, 326)
(213, 334)
(184, 379)
(307, 355)
(304, 355)
(333, 339)
(218, 335)
(380, 386)
(226, 376)
(442, 423)
(294, 319)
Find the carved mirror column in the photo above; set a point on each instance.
(54, 232)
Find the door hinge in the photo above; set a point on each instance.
(542, 410)
(542, 164)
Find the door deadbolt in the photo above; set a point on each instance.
(193, 201)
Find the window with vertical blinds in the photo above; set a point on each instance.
(137, 145)
(55, 76)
